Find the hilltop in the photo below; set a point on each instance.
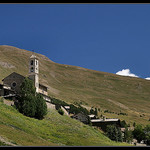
(114, 95)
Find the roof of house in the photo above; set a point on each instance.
(102, 120)
(67, 107)
(13, 73)
(91, 116)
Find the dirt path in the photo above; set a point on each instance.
(6, 142)
(118, 104)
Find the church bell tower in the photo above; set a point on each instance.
(34, 71)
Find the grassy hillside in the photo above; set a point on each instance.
(91, 88)
(53, 130)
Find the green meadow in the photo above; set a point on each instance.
(53, 130)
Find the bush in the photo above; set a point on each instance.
(58, 102)
(73, 109)
(60, 111)
(95, 112)
(123, 124)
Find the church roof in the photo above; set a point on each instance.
(12, 74)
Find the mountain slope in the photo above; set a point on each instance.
(54, 130)
(89, 87)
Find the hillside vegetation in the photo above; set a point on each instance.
(54, 130)
(73, 84)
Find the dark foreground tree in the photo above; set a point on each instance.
(29, 102)
(114, 133)
(26, 101)
(138, 133)
(41, 107)
(147, 134)
(128, 137)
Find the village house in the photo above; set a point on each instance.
(81, 117)
(10, 87)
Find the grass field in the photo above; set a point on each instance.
(53, 130)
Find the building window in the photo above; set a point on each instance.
(32, 69)
(31, 62)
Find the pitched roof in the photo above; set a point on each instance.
(13, 73)
(106, 120)
(33, 56)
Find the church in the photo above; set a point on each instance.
(11, 84)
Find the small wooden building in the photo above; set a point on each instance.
(102, 123)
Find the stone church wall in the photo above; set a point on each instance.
(14, 80)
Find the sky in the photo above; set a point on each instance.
(112, 38)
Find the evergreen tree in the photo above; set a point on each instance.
(26, 101)
(128, 137)
(29, 102)
(138, 133)
(96, 112)
(147, 134)
(114, 133)
(41, 107)
(120, 138)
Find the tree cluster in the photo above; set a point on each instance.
(29, 102)
(73, 109)
(114, 133)
(142, 133)
(94, 111)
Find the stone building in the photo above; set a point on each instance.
(11, 83)
(81, 117)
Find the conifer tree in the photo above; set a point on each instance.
(26, 102)
(41, 107)
(29, 102)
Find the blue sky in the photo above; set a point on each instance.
(103, 37)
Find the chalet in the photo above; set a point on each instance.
(11, 83)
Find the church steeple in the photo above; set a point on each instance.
(34, 70)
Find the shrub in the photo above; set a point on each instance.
(60, 111)
(95, 112)
(123, 123)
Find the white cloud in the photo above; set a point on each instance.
(126, 72)
(148, 78)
